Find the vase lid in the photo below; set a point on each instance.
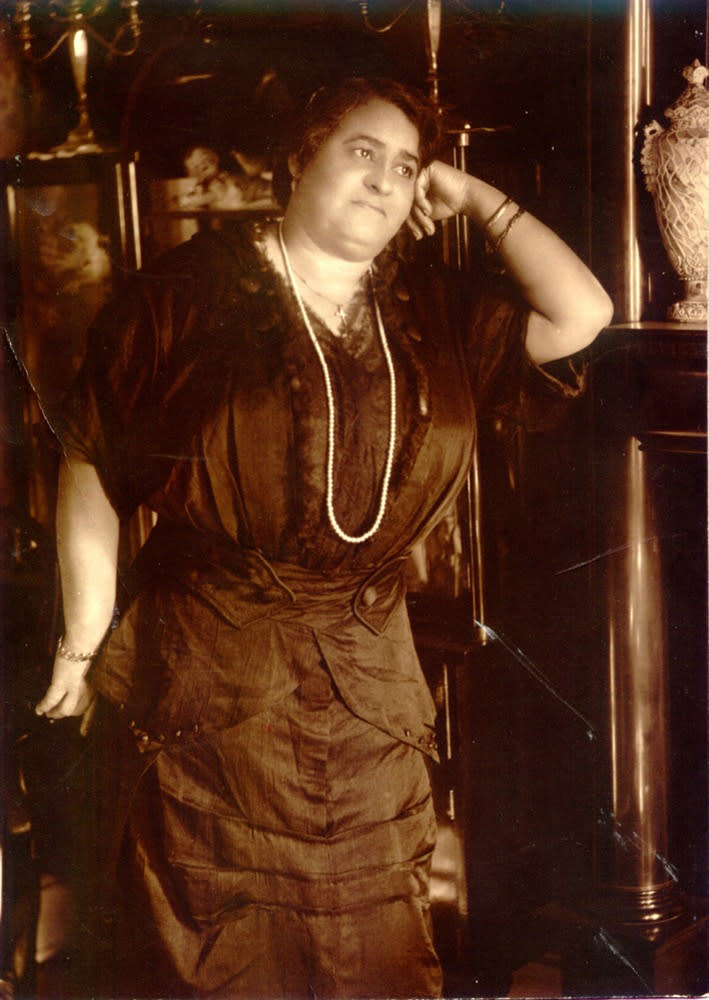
(691, 109)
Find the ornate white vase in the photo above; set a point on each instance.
(675, 162)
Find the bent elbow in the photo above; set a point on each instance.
(603, 312)
(595, 317)
(550, 339)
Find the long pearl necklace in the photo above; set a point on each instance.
(354, 539)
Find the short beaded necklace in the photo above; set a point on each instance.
(354, 539)
(337, 306)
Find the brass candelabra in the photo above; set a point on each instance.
(73, 20)
(433, 34)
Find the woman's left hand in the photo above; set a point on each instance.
(440, 193)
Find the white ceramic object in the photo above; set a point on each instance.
(675, 162)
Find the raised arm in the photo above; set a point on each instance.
(87, 546)
(569, 306)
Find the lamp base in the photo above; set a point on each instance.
(79, 140)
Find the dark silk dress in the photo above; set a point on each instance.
(265, 817)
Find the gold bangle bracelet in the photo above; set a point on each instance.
(497, 214)
(69, 654)
(495, 248)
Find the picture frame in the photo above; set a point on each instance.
(174, 208)
(71, 226)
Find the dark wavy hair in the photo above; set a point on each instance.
(329, 105)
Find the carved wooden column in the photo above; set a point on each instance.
(648, 398)
(634, 877)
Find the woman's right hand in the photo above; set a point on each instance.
(69, 693)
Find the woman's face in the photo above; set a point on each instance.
(354, 195)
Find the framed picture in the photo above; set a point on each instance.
(206, 193)
(70, 225)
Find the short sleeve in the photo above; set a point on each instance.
(506, 382)
(114, 413)
(109, 392)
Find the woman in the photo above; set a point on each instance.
(296, 401)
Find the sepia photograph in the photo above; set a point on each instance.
(353, 499)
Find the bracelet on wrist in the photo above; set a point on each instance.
(497, 214)
(494, 247)
(71, 655)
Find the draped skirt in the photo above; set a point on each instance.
(286, 857)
